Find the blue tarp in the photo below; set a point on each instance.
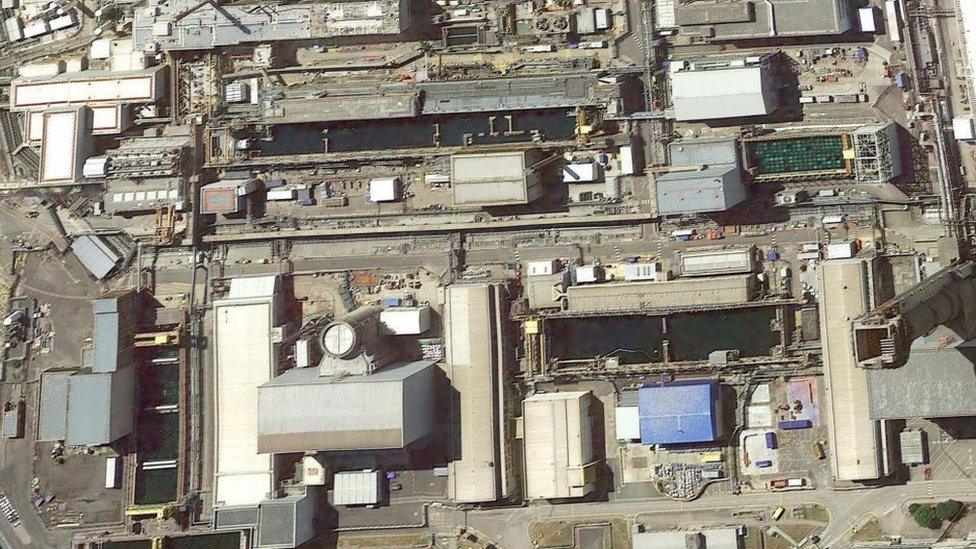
(682, 412)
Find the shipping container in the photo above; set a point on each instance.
(807, 99)
(796, 482)
(683, 234)
(771, 440)
(817, 449)
(540, 48)
(712, 474)
(778, 513)
(795, 424)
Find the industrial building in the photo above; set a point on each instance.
(715, 91)
(300, 410)
(704, 177)
(707, 538)
(877, 153)
(496, 178)
(282, 523)
(245, 357)
(674, 294)
(65, 145)
(691, 192)
(680, 412)
(559, 459)
(749, 20)
(717, 262)
(89, 88)
(937, 380)
(97, 405)
(799, 158)
(476, 347)
(191, 25)
(356, 487)
(98, 254)
(856, 439)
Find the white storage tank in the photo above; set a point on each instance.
(405, 320)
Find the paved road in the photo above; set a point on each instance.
(848, 509)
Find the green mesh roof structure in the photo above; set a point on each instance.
(822, 153)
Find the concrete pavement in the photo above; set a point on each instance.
(848, 509)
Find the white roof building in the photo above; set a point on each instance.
(473, 359)
(559, 457)
(244, 358)
(86, 88)
(495, 178)
(405, 320)
(65, 144)
(356, 488)
(722, 93)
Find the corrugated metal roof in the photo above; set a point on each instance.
(711, 190)
(678, 413)
(95, 255)
(100, 407)
(356, 488)
(253, 287)
(912, 447)
(105, 335)
(725, 93)
(700, 151)
(935, 381)
(53, 410)
(558, 445)
(300, 411)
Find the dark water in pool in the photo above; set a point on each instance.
(639, 339)
(554, 124)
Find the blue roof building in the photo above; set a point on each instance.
(681, 412)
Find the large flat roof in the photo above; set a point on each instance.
(142, 86)
(683, 292)
(243, 360)
(936, 381)
(721, 93)
(558, 445)
(678, 413)
(765, 19)
(64, 143)
(300, 410)
(853, 435)
(472, 365)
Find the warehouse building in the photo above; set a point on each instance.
(711, 93)
(717, 262)
(708, 538)
(97, 405)
(98, 255)
(89, 88)
(300, 410)
(475, 364)
(856, 440)
(691, 192)
(748, 20)
(496, 178)
(560, 461)
(705, 177)
(65, 145)
(699, 293)
(245, 357)
(681, 412)
(936, 381)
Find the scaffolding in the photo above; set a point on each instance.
(875, 153)
(808, 157)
